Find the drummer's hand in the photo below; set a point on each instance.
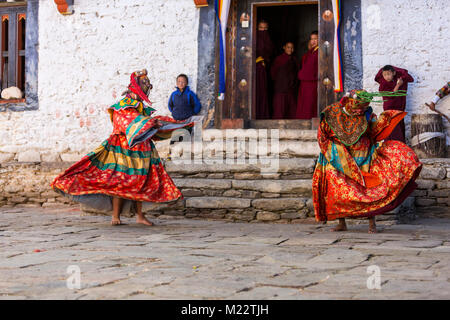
(157, 124)
(432, 106)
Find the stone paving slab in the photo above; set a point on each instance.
(200, 259)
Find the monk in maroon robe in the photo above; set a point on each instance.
(393, 79)
(308, 75)
(284, 75)
(264, 52)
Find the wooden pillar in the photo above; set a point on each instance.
(235, 103)
(326, 95)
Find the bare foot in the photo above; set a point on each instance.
(372, 225)
(144, 220)
(116, 222)
(340, 227)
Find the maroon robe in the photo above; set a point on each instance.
(395, 103)
(307, 93)
(264, 50)
(284, 75)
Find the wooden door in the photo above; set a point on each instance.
(237, 108)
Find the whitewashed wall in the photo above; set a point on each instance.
(85, 61)
(414, 35)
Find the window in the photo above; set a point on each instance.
(19, 52)
(13, 28)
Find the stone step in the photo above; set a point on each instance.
(284, 149)
(290, 143)
(261, 188)
(253, 167)
(280, 124)
(232, 208)
(209, 135)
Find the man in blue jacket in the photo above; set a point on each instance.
(183, 103)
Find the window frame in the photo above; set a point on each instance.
(30, 100)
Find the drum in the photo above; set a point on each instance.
(428, 136)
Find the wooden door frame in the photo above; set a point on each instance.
(255, 6)
(241, 101)
(326, 94)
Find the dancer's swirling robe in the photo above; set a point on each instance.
(126, 165)
(365, 176)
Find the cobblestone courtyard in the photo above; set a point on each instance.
(197, 259)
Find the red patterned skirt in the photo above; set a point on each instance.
(115, 169)
(337, 196)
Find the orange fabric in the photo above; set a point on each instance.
(393, 123)
(371, 180)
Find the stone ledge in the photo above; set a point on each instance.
(298, 165)
(301, 187)
(433, 173)
(432, 161)
(217, 203)
(51, 165)
(279, 204)
(284, 134)
(217, 184)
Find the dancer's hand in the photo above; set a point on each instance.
(157, 124)
(432, 106)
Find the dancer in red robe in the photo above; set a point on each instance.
(357, 173)
(125, 173)
(308, 75)
(264, 52)
(394, 79)
(284, 75)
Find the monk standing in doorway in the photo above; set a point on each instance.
(264, 52)
(284, 75)
(307, 93)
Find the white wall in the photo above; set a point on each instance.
(414, 35)
(85, 61)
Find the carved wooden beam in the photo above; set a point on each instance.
(64, 6)
(201, 3)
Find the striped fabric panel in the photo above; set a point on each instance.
(109, 157)
(135, 127)
(126, 152)
(335, 158)
(338, 156)
(366, 160)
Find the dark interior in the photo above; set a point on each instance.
(290, 23)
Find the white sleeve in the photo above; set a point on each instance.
(436, 99)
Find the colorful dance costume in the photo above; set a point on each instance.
(126, 165)
(357, 174)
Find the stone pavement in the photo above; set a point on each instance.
(198, 259)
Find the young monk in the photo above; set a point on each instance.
(394, 79)
(357, 175)
(284, 75)
(125, 171)
(264, 52)
(308, 75)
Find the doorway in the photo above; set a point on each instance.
(289, 21)
(300, 18)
